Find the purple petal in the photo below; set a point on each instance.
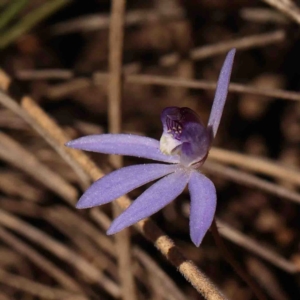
(121, 182)
(152, 200)
(221, 93)
(123, 144)
(203, 206)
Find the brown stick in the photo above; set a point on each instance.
(256, 164)
(60, 250)
(287, 7)
(122, 239)
(42, 262)
(253, 246)
(244, 178)
(37, 289)
(99, 78)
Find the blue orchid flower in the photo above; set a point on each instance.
(182, 149)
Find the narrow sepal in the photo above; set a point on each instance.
(123, 144)
(203, 206)
(152, 200)
(221, 93)
(121, 182)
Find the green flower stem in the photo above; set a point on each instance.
(30, 20)
(11, 11)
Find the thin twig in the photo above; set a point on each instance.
(266, 278)
(116, 37)
(105, 244)
(167, 286)
(236, 266)
(256, 164)
(82, 242)
(101, 21)
(243, 43)
(37, 289)
(12, 152)
(60, 90)
(14, 184)
(11, 104)
(60, 250)
(250, 180)
(248, 42)
(253, 246)
(42, 262)
(287, 7)
(90, 230)
(206, 85)
(263, 15)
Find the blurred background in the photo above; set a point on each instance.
(57, 52)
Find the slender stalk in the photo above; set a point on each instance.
(235, 265)
(287, 7)
(116, 36)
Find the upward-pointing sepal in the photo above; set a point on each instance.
(221, 93)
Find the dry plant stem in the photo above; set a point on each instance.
(15, 154)
(36, 289)
(168, 287)
(56, 137)
(169, 249)
(95, 244)
(8, 102)
(256, 164)
(60, 250)
(267, 278)
(14, 184)
(101, 21)
(286, 7)
(205, 85)
(60, 90)
(171, 59)
(253, 246)
(4, 297)
(116, 36)
(250, 180)
(241, 43)
(248, 42)
(82, 242)
(44, 264)
(23, 208)
(237, 268)
(263, 15)
(10, 259)
(258, 40)
(90, 230)
(104, 243)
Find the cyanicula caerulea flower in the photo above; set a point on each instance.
(183, 148)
